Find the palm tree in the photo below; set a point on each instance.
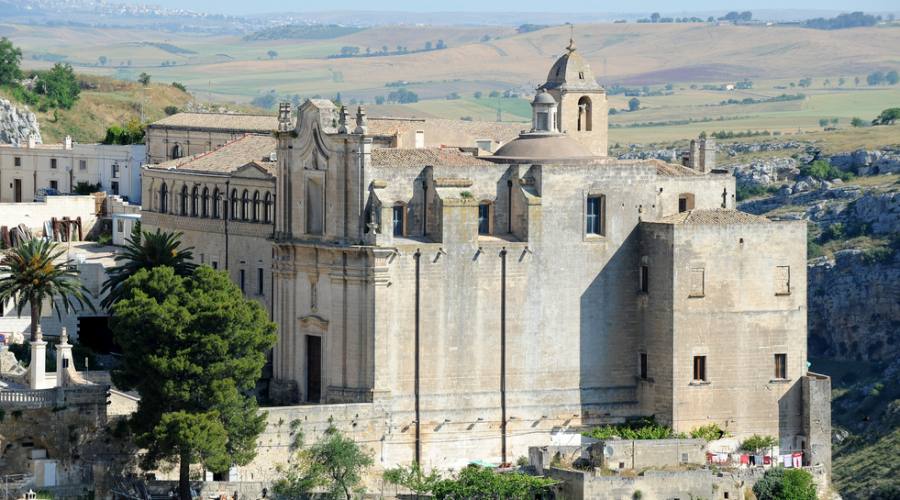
(147, 250)
(33, 272)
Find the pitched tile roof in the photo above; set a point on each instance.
(502, 132)
(673, 169)
(248, 149)
(715, 216)
(444, 157)
(220, 121)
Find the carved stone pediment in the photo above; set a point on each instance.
(314, 321)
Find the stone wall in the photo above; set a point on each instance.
(648, 453)
(35, 214)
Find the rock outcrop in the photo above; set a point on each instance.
(17, 124)
(854, 307)
(863, 162)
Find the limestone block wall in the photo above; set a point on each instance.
(706, 192)
(647, 453)
(162, 140)
(34, 214)
(739, 318)
(817, 420)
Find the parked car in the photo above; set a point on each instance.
(43, 193)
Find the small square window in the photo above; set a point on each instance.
(781, 366)
(17, 161)
(82, 164)
(54, 185)
(699, 369)
(52, 162)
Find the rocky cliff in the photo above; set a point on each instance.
(17, 124)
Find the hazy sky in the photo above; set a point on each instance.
(243, 6)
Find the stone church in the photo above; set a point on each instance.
(467, 302)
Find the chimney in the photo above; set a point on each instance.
(68, 142)
(420, 139)
(32, 141)
(695, 155)
(707, 154)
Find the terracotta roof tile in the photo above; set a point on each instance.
(255, 149)
(444, 157)
(221, 121)
(716, 216)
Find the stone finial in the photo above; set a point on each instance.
(284, 117)
(64, 336)
(38, 334)
(343, 119)
(571, 46)
(361, 121)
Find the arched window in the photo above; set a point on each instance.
(195, 199)
(245, 205)
(216, 199)
(267, 208)
(585, 114)
(204, 207)
(177, 151)
(234, 204)
(256, 206)
(484, 218)
(184, 200)
(163, 199)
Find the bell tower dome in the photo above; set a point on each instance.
(582, 106)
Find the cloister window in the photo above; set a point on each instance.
(234, 204)
(245, 205)
(184, 200)
(256, 206)
(267, 208)
(163, 199)
(204, 206)
(216, 199)
(195, 198)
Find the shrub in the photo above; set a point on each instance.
(709, 432)
(179, 86)
(84, 188)
(757, 443)
(478, 482)
(640, 429)
(170, 110)
(779, 484)
(822, 169)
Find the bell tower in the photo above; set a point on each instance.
(583, 111)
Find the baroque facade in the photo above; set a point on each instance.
(452, 300)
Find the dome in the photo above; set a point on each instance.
(543, 97)
(571, 72)
(538, 146)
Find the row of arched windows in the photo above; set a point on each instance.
(201, 202)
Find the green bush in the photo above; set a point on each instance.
(709, 432)
(131, 132)
(85, 188)
(785, 484)
(745, 192)
(821, 169)
(641, 429)
(478, 482)
(757, 443)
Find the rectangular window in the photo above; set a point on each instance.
(397, 222)
(594, 215)
(215, 264)
(259, 281)
(54, 185)
(645, 279)
(114, 187)
(781, 366)
(243, 280)
(643, 366)
(17, 161)
(698, 276)
(700, 368)
(120, 226)
(52, 162)
(782, 280)
(82, 164)
(115, 171)
(484, 219)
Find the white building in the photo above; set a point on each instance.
(24, 170)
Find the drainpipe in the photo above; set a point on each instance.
(509, 207)
(227, 213)
(503, 354)
(418, 257)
